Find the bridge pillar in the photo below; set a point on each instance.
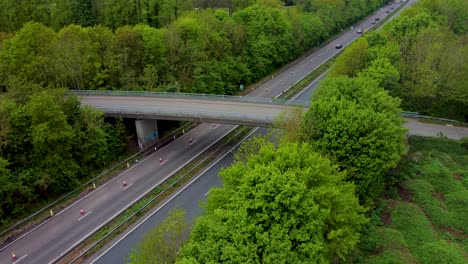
(147, 131)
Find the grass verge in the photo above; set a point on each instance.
(43, 210)
(152, 199)
(424, 215)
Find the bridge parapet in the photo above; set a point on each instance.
(229, 98)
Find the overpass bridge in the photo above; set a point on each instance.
(147, 107)
(238, 110)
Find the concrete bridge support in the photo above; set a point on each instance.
(147, 131)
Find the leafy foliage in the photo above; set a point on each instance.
(48, 144)
(160, 45)
(358, 125)
(284, 205)
(161, 244)
(427, 222)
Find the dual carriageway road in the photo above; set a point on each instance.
(47, 242)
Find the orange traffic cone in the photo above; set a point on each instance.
(82, 211)
(124, 184)
(13, 256)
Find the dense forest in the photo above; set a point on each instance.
(421, 58)
(48, 144)
(118, 44)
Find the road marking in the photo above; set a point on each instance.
(138, 198)
(128, 185)
(162, 162)
(193, 141)
(173, 196)
(79, 200)
(18, 260)
(85, 215)
(207, 193)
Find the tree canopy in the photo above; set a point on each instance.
(48, 143)
(358, 125)
(285, 205)
(161, 244)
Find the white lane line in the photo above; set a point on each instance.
(79, 200)
(207, 193)
(85, 215)
(162, 162)
(193, 141)
(128, 185)
(18, 260)
(138, 198)
(308, 86)
(172, 197)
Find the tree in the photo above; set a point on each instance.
(28, 55)
(358, 125)
(353, 59)
(386, 75)
(162, 243)
(286, 205)
(288, 124)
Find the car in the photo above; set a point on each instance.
(392, 7)
(388, 11)
(338, 46)
(373, 22)
(377, 18)
(359, 31)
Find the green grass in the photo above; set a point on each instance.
(424, 217)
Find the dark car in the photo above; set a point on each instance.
(338, 46)
(377, 18)
(388, 11)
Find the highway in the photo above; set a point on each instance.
(188, 198)
(56, 236)
(67, 228)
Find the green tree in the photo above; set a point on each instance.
(386, 75)
(91, 148)
(130, 53)
(353, 59)
(357, 124)
(286, 205)
(29, 55)
(162, 243)
(288, 124)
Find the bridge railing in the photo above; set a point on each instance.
(193, 115)
(230, 98)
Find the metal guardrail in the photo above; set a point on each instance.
(417, 115)
(193, 115)
(86, 184)
(229, 98)
(126, 220)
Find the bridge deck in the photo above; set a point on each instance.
(187, 109)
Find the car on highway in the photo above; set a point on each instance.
(388, 11)
(373, 22)
(338, 46)
(359, 31)
(377, 18)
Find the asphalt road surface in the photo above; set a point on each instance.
(188, 198)
(48, 241)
